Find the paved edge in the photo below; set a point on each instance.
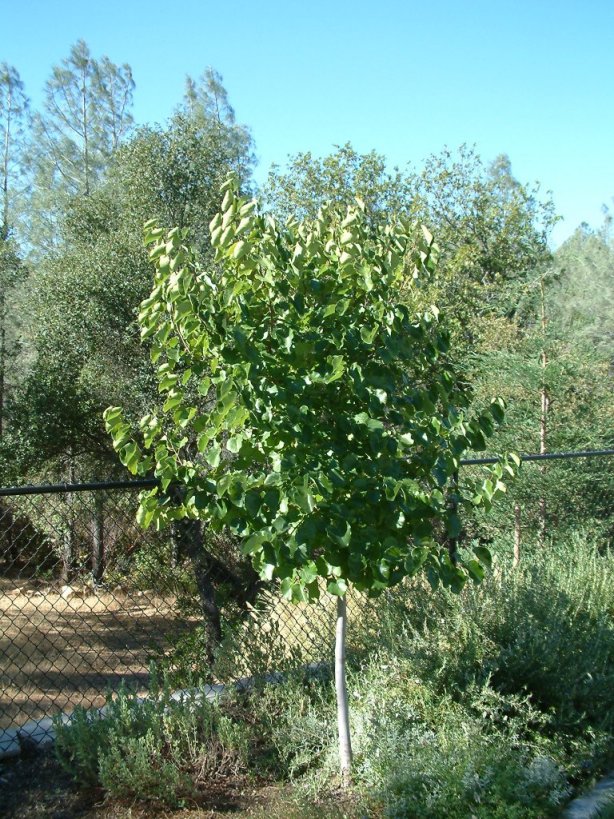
(38, 734)
(588, 805)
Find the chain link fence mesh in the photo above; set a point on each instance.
(88, 599)
(547, 502)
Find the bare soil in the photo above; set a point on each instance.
(36, 787)
(62, 651)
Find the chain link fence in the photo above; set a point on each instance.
(554, 497)
(88, 599)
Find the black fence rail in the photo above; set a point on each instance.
(88, 599)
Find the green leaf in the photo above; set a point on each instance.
(304, 499)
(212, 456)
(483, 555)
(234, 443)
(252, 545)
(337, 587)
(497, 409)
(368, 334)
(286, 588)
(204, 386)
(365, 419)
(476, 571)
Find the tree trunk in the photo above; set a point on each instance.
(68, 544)
(517, 534)
(343, 715)
(452, 542)
(98, 539)
(188, 541)
(4, 231)
(84, 122)
(543, 420)
(2, 363)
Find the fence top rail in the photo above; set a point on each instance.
(150, 483)
(543, 456)
(93, 486)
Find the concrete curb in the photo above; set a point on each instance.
(589, 805)
(38, 734)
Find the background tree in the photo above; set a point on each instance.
(492, 230)
(14, 106)
(583, 301)
(13, 123)
(309, 182)
(551, 361)
(493, 233)
(81, 330)
(305, 409)
(86, 115)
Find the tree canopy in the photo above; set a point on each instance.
(306, 408)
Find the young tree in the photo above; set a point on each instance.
(305, 409)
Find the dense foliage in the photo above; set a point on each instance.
(78, 181)
(305, 408)
(74, 202)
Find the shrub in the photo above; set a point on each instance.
(496, 702)
(159, 749)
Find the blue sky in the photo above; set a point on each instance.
(530, 79)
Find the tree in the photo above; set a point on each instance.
(86, 117)
(551, 361)
(583, 301)
(13, 113)
(492, 230)
(309, 182)
(79, 322)
(13, 121)
(493, 233)
(12, 272)
(305, 409)
(492, 226)
(207, 104)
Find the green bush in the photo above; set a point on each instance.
(296, 720)
(159, 749)
(498, 702)
(426, 754)
(544, 629)
(495, 702)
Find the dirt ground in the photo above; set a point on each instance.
(36, 787)
(58, 652)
